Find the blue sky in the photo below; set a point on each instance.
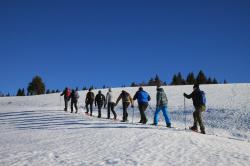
(83, 43)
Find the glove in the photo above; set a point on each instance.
(184, 94)
(104, 106)
(132, 106)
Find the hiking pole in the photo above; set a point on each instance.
(185, 113)
(60, 101)
(133, 115)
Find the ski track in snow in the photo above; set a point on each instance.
(34, 131)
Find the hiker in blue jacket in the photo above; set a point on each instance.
(161, 105)
(142, 98)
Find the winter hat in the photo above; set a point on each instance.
(196, 85)
(140, 89)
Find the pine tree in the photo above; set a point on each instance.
(180, 80)
(48, 91)
(151, 82)
(201, 78)
(190, 79)
(36, 86)
(174, 80)
(133, 84)
(84, 88)
(57, 91)
(157, 81)
(215, 81)
(19, 92)
(225, 81)
(23, 92)
(209, 81)
(53, 91)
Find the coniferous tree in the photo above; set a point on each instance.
(190, 79)
(84, 88)
(215, 81)
(180, 80)
(225, 81)
(36, 86)
(23, 92)
(209, 81)
(151, 82)
(57, 91)
(19, 92)
(201, 78)
(133, 84)
(53, 91)
(157, 81)
(48, 91)
(174, 80)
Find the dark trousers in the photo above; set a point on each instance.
(91, 107)
(125, 111)
(99, 105)
(66, 101)
(111, 107)
(74, 103)
(142, 108)
(197, 114)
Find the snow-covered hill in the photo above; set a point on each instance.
(35, 131)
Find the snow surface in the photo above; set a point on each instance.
(35, 131)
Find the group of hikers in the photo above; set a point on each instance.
(142, 98)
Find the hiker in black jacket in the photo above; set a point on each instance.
(199, 106)
(74, 98)
(90, 98)
(99, 101)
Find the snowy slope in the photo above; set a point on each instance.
(35, 131)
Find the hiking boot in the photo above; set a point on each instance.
(194, 128)
(144, 122)
(169, 125)
(153, 124)
(203, 132)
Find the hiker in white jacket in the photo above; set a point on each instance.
(111, 103)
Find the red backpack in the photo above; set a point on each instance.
(68, 92)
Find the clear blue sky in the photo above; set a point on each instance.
(77, 43)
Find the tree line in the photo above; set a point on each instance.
(177, 79)
(37, 86)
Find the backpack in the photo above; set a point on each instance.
(143, 97)
(91, 96)
(202, 98)
(76, 95)
(68, 93)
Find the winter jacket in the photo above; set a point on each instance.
(90, 97)
(142, 97)
(195, 95)
(74, 96)
(109, 98)
(126, 98)
(66, 93)
(161, 98)
(99, 99)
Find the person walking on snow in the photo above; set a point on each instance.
(161, 105)
(110, 103)
(142, 98)
(66, 94)
(126, 101)
(90, 98)
(99, 101)
(74, 99)
(199, 105)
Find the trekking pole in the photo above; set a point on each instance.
(60, 101)
(185, 113)
(133, 115)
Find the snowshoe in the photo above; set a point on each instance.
(193, 128)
